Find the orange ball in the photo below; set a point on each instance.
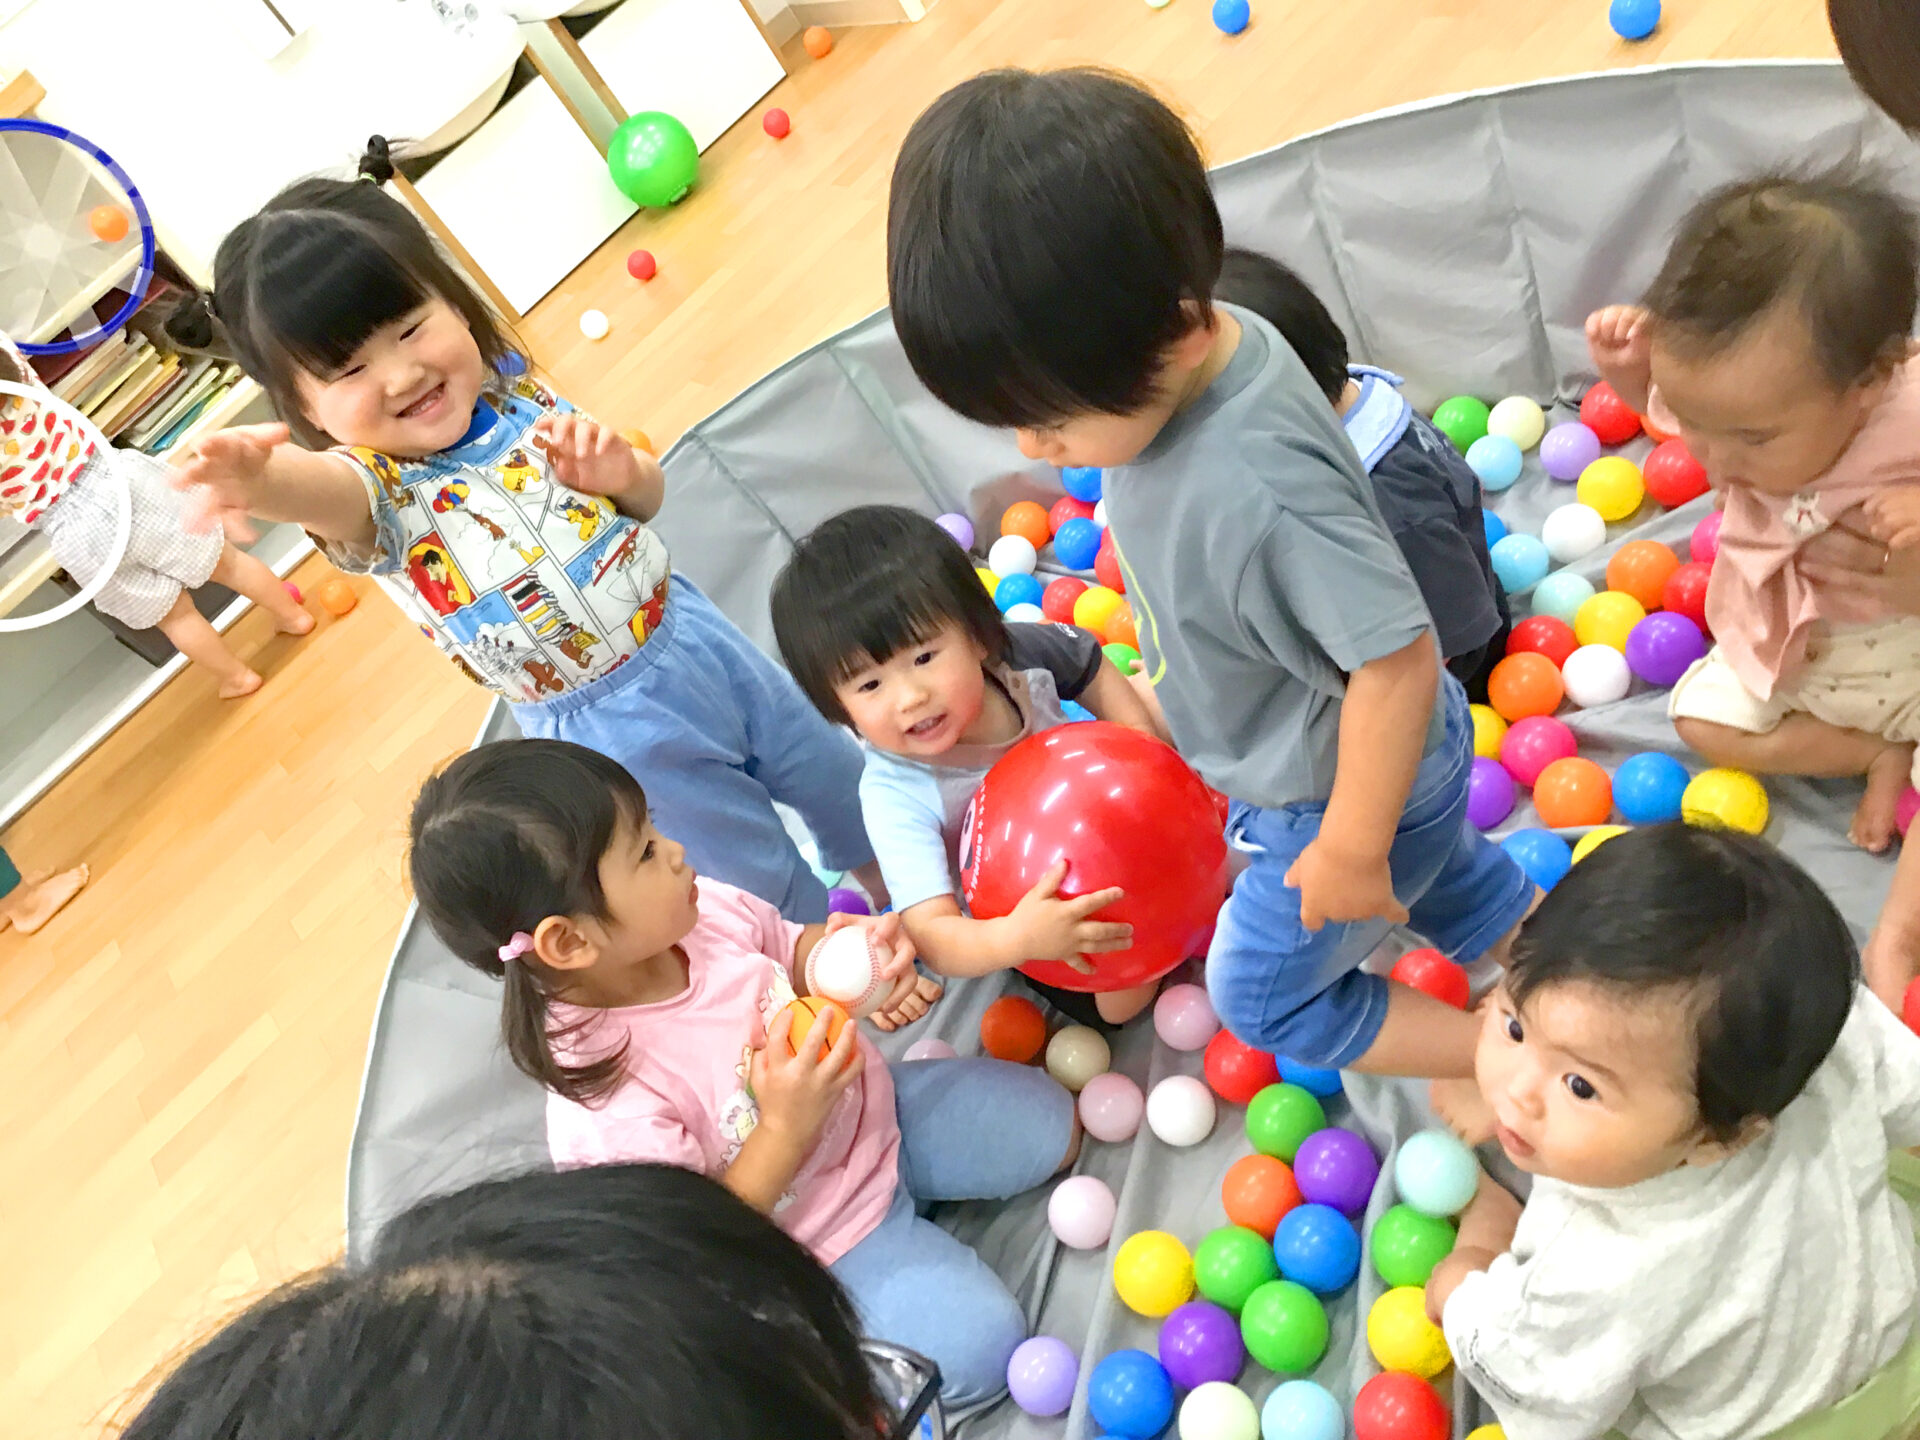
(1013, 1029)
(1525, 684)
(1028, 520)
(1573, 792)
(1258, 1192)
(640, 440)
(108, 223)
(805, 1011)
(337, 597)
(1654, 432)
(818, 41)
(1120, 629)
(1641, 568)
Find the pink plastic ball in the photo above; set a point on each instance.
(1532, 744)
(1111, 1107)
(1706, 539)
(930, 1049)
(1908, 807)
(1184, 1018)
(1081, 1211)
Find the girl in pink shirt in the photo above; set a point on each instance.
(653, 1009)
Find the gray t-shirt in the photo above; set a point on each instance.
(1261, 574)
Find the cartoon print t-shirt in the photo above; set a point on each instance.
(533, 588)
(686, 1096)
(41, 453)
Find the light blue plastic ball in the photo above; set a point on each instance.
(1561, 595)
(1076, 543)
(1435, 1174)
(1647, 787)
(1082, 482)
(1314, 1081)
(1231, 15)
(1017, 590)
(1302, 1410)
(1543, 855)
(1634, 19)
(1521, 562)
(1496, 460)
(1496, 528)
(1074, 710)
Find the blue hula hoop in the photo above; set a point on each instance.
(137, 290)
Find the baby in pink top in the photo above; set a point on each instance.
(1775, 343)
(657, 1011)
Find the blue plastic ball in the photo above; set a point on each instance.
(1634, 19)
(1435, 1173)
(1496, 460)
(1314, 1081)
(1496, 528)
(1561, 595)
(1302, 1410)
(1074, 710)
(1231, 15)
(1082, 482)
(1543, 855)
(1076, 543)
(1521, 562)
(1317, 1247)
(1130, 1395)
(1647, 787)
(1017, 590)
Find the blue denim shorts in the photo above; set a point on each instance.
(1301, 993)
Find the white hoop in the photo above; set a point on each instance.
(122, 525)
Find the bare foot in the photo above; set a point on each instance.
(1116, 1007)
(245, 683)
(38, 898)
(1873, 821)
(1464, 1109)
(298, 623)
(925, 991)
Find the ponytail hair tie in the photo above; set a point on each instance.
(520, 944)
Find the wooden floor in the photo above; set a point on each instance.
(180, 1051)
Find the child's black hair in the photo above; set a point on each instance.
(505, 836)
(1740, 935)
(1841, 249)
(613, 1302)
(1048, 238)
(863, 587)
(1880, 42)
(1280, 297)
(301, 285)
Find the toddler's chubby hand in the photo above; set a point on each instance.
(1054, 929)
(590, 457)
(797, 1087)
(1894, 517)
(1619, 336)
(1339, 886)
(911, 995)
(222, 473)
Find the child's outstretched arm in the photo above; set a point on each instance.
(1620, 342)
(1042, 927)
(593, 459)
(251, 471)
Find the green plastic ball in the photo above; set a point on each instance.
(1231, 1264)
(1406, 1245)
(1462, 420)
(1123, 656)
(1285, 1327)
(1280, 1117)
(653, 159)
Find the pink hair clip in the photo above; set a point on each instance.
(519, 945)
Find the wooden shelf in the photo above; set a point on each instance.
(229, 408)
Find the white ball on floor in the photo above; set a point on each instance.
(1218, 1410)
(1180, 1110)
(1012, 555)
(1081, 1211)
(1025, 614)
(930, 1049)
(1076, 1054)
(1596, 675)
(845, 969)
(594, 324)
(1519, 419)
(1573, 532)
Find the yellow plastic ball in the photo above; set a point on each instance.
(1095, 609)
(1487, 1432)
(1611, 485)
(1607, 619)
(987, 578)
(1488, 731)
(1594, 839)
(1402, 1338)
(1153, 1273)
(1728, 799)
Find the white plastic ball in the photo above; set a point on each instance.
(1027, 614)
(1573, 532)
(594, 324)
(930, 1049)
(845, 968)
(1596, 675)
(1219, 1411)
(1012, 555)
(1100, 513)
(1076, 1054)
(1180, 1110)
(1081, 1211)
(1519, 419)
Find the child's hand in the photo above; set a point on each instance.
(1487, 1228)
(222, 475)
(1341, 887)
(592, 458)
(885, 934)
(1050, 928)
(1894, 517)
(797, 1092)
(1619, 338)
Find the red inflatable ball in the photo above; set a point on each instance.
(1396, 1406)
(1064, 509)
(1685, 593)
(1910, 1007)
(1672, 475)
(1058, 598)
(1106, 565)
(1543, 635)
(1608, 416)
(1429, 970)
(1238, 1072)
(1121, 809)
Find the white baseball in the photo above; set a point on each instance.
(845, 968)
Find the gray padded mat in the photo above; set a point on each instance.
(1461, 243)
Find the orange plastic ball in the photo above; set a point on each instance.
(805, 1011)
(1258, 1192)
(108, 223)
(1525, 684)
(640, 440)
(1013, 1029)
(1641, 568)
(337, 597)
(1654, 432)
(818, 40)
(1573, 792)
(1028, 520)
(1120, 629)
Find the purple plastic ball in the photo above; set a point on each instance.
(1489, 793)
(1336, 1168)
(1662, 646)
(1201, 1342)
(1568, 449)
(1041, 1375)
(842, 901)
(958, 526)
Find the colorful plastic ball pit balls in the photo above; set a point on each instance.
(1026, 613)
(1256, 1194)
(1597, 675)
(1543, 635)
(818, 41)
(1082, 482)
(1181, 1111)
(1336, 1168)
(1518, 419)
(1219, 1410)
(1095, 608)
(1612, 485)
(1435, 1173)
(1573, 532)
(1076, 1054)
(1572, 793)
(1523, 685)
(1232, 1263)
(1647, 787)
(1561, 595)
(1406, 1245)
(1028, 520)
(1663, 647)
(1153, 1273)
(959, 527)
(1490, 793)
(1641, 568)
(1317, 1081)
(1496, 460)
(652, 158)
(1672, 475)
(1401, 1336)
(777, 123)
(1487, 1432)
(1729, 799)
(1106, 566)
(1199, 1344)
(337, 597)
(1041, 1375)
(1302, 1410)
(1393, 1406)
(1111, 1107)
(1014, 554)
(642, 266)
(1067, 508)
(1634, 19)
(1594, 839)
(1014, 590)
(1238, 1072)
(1280, 1118)
(1058, 599)
(1686, 593)
(1080, 1212)
(1076, 544)
(1429, 971)
(1488, 731)
(1317, 1247)
(1704, 544)
(1494, 527)
(1905, 808)
(1610, 418)
(1013, 1029)
(1567, 450)
(1533, 744)
(1543, 855)
(1231, 16)
(1130, 1395)
(1284, 1326)
(1520, 561)
(1608, 619)
(1462, 420)
(1183, 1017)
